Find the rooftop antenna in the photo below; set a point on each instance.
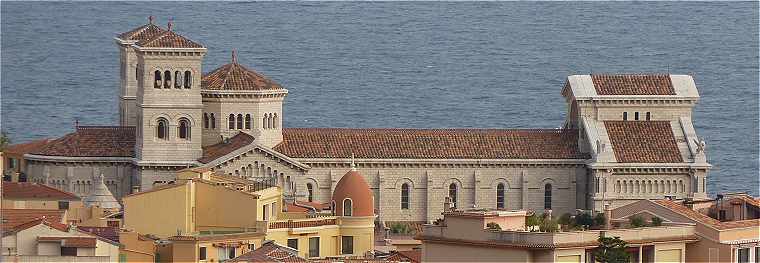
(234, 56)
(150, 20)
(170, 24)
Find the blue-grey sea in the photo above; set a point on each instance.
(401, 64)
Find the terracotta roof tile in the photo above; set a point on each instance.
(643, 141)
(431, 143)
(28, 190)
(110, 233)
(234, 76)
(169, 39)
(704, 219)
(12, 218)
(82, 242)
(299, 224)
(93, 141)
(212, 152)
(34, 222)
(633, 84)
(270, 252)
(142, 33)
(414, 256)
(27, 147)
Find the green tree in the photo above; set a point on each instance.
(584, 219)
(656, 221)
(599, 219)
(532, 220)
(636, 221)
(493, 226)
(4, 141)
(611, 250)
(566, 219)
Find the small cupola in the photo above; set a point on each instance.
(352, 196)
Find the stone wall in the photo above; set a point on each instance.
(79, 178)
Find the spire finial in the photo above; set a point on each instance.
(353, 162)
(170, 24)
(150, 19)
(234, 56)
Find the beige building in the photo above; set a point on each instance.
(626, 138)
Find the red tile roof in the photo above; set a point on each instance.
(12, 218)
(270, 252)
(303, 206)
(27, 147)
(107, 232)
(34, 222)
(169, 39)
(413, 256)
(27, 190)
(93, 141)
(234, 76)
(704, 219)
(299, 224)
(633, 84)
(431, 143)
(212, 152)
(83, 242)
(142, 33)
(643, 141)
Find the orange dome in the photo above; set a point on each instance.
(352, 186)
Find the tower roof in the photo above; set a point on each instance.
(143, 32)
(234, 76)
(101, 196)
(353, 186)
(169, 39)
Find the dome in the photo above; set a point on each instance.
(101, 196)
(234, 76)
(352, 186)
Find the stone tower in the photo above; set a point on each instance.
(169, 104)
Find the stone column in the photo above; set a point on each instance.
(476, 183)
(69, 177)
(380, 195)
(431, 204)
(524, 190)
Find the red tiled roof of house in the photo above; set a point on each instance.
(82, 242)
(413, 256)
(299, 224)
(107, 232)
(643, 142)
(141, 33)
(26, 147)
(93, 141)
(212, 152)
(270, 252)
(303, 206)
(234, 76)
(704, 219)
(45, 221)
(28, 190)
(11, 218)
(634, 84)
(169, 39)
(430, 143)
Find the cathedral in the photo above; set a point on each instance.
(627, 137)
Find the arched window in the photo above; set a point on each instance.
(213, 121)
(231, 122)
(269, 121)
(625, 116)
(205, 120)
(184, 129)
(157, 82)
(177, 78)
(162, 129)
(240, 121)
(453, 194)
(347, 207)
(167, 79)
(248, 121)
(500, 196)
(548, 196)
(274, 121)
(405, 196)
(310, 190)
(188, 79)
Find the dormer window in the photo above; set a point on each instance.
(158, 82)
(167, 79)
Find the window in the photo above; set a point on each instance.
(157, 82)
(264, 122)
(453, 194)
(177, 80)
(213, 121)
(68, 251)
(649, 116)
(202, 253)
(222, 253)
(405, 196)
(188, 79)
(251, 246)
(310, 189)
(347, 245)
(625, 116)
(205, 120)
(63, 205)
(231, 252)
(11, 163)
(248, 121)
(548, 196)
(184, 129)
(162, 129)
(636, 116)
(240, 121)
(500, 196)
(231, 123)
(293, 243)
(757, 254)
(265, 214)
(167, 79)
(347, 207)
(742, 255)
(274, 121)
(314, 247)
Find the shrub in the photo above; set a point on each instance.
(611, 249)
(636, 221)
(533, 220)
(599, 219)
(566, 219)
(656, 221)
(400, 228)
(584, 219)
(493, 226)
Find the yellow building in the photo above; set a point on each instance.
(207, 216)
